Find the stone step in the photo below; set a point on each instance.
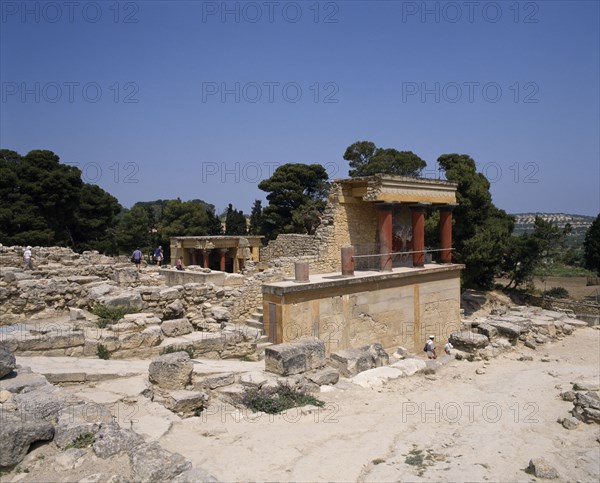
(256, 315)
(254, 323)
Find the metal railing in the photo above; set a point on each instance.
(376, 260)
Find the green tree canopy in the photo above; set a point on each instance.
(481, 232)
(366, 159)
(255, 218)
(296, 197)
(528, 251)
(46, 203)
(235, 222)
(591, 246)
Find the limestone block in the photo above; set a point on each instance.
(7, 362)
(410, 366)
(176, 327)
(350, 362)
(507, 329)
(488, 330)
(151, 463)
(468, 341)
(542, 469)
(123, 299)
(18, 434)
(169, 294)
(171, 371)
(214, 381)
(327, 375)
(174, 310)
(51, 340)
(303, 355)
(79, 419)
(112, 440)
(185, 402)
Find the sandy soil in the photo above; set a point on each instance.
(455, 425)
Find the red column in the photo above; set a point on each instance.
(446, 233)
(384, 217)
(205, 254)
(222, 252)
(418, 232)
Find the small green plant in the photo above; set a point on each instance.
(378, 461)
(102, 352)
(273, 400)
(172, 349)
(82, 441)
(415, 457)
(557, 293)
(198, 412)
(471, 357)
(458, 357)
(110, 315)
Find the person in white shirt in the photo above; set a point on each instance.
(431, 348)
(27, 262)
(447, 347)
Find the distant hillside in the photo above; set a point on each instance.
(579, 223)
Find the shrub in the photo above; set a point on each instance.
(102, 352)
(273, 400)
(82, 441)
(110, 315)
(557, 293)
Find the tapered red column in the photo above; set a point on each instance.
(384, 217)
(205, 255)
(418, 231)
(446, 233)
(222, 252)
(348, 261)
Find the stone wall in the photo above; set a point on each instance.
(400, 308)
(345, 221)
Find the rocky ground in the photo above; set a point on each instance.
(479, 420)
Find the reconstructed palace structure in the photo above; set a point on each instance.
(372, 278)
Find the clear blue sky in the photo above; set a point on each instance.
(158, 100)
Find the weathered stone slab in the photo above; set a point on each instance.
(171, 371)
(185, 402)
(488, 330)
(153, 464)
(20, 379)
(176, 327)
(410, 366)
(123, 299)
(468, 341)
(327, 375)
(350, 362)
(214, 381)
(51, 340)
(111, 440)
(510, 330)
(17, 434)
(376, 377)
(79, 419)
(289, 358)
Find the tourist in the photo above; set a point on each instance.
(447, 347)
(136, 258)
(431, 348)
(179, 264)
(158, 256)
(27, 259)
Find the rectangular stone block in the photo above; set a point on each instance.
(305, 354)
